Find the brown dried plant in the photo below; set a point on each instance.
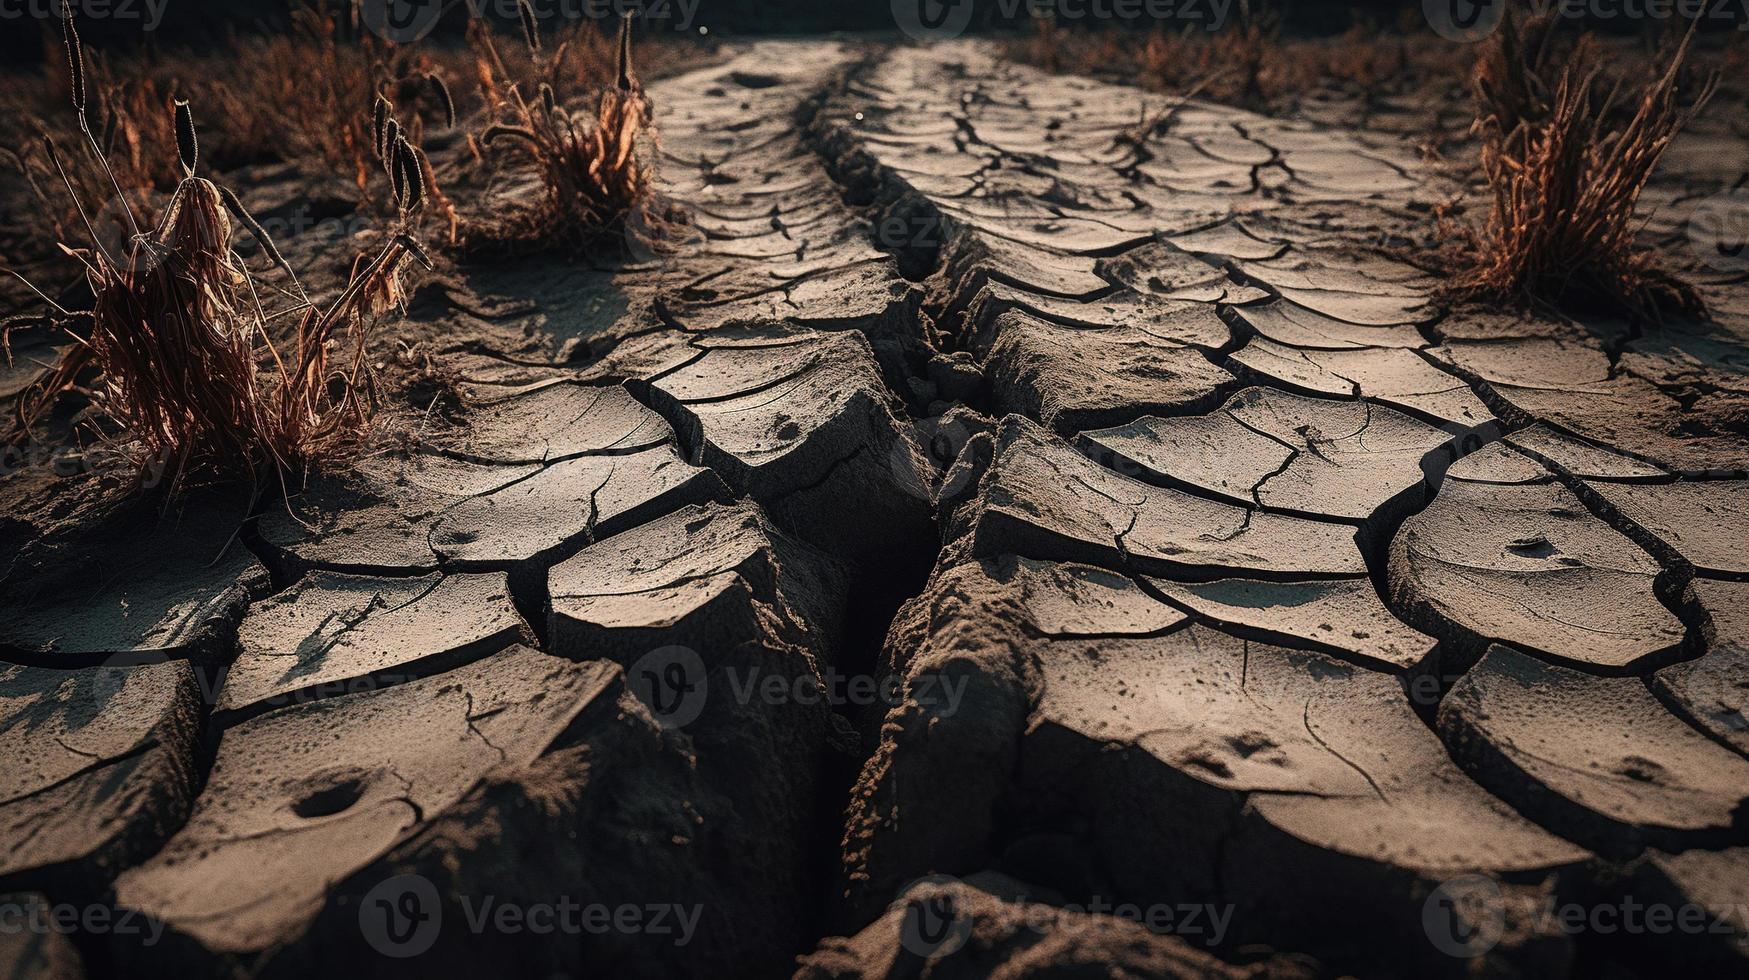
(300, 95)
(327, 71)
(180, 343)
(1047, 45)
(1566, 151)
(596, 188)
(1243, 62)
(1249, 62)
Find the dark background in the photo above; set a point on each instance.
(201, 23)
(196, 23)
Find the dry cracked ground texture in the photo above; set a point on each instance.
(1209, 562)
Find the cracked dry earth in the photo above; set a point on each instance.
(1216, 567)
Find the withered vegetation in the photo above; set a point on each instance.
(299, 96)
(1566, 147)
(595, 183)
(1248, 62)
(179, 353)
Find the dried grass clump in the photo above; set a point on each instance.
(179, 342)
(1244, 62)
(1250, 63)
(129, 122)
(324, 74)
(1047, 41)
(596, 188)
(1566, 151)
(294, 96)
(1241, 63)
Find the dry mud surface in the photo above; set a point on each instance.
(988, 544)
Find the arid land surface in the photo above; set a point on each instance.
(1067, 494)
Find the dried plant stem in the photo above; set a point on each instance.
(1565, 165)
(597, 191)
(177, 340)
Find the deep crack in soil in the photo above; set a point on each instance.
(988, 516)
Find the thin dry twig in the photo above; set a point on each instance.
(1565, 157)
(177, 344)
(597, 190)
